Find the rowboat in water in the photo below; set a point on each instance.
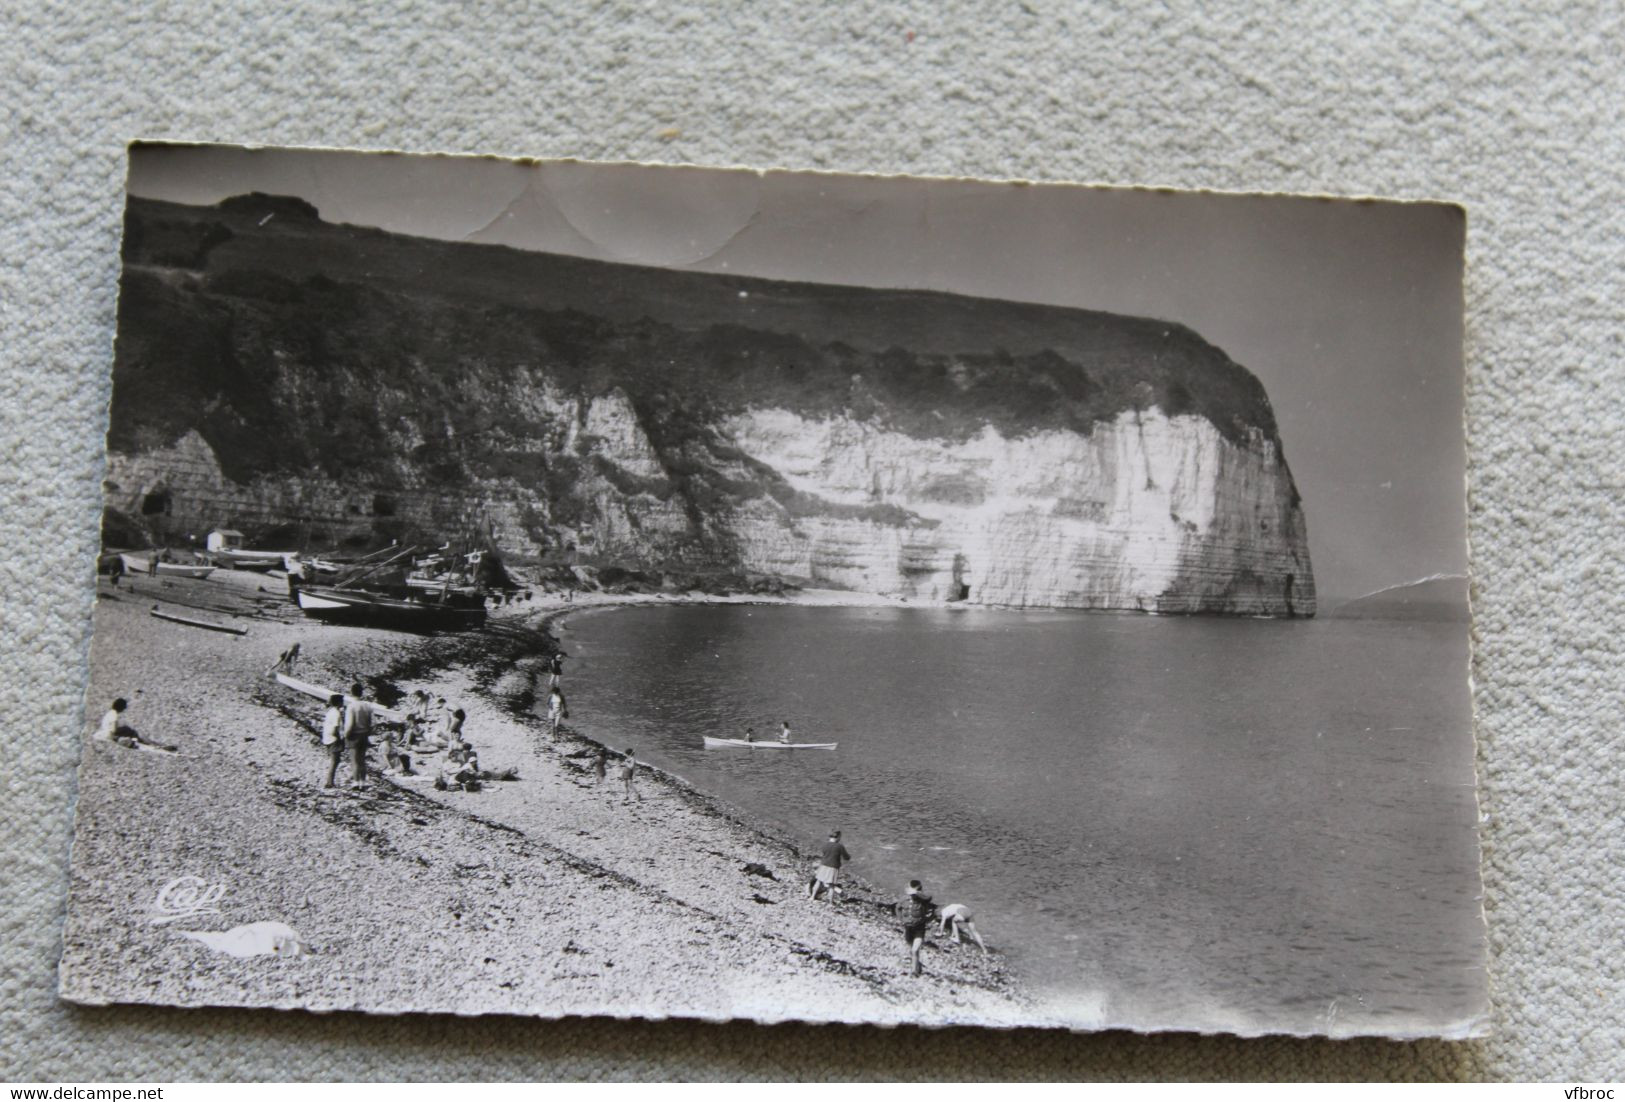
(731, 743)
(359, 606)
(134, 565)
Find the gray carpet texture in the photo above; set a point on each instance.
(1513, 110)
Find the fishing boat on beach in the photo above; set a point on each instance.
(136, 565)
(339, 605)
(225, 549)
(763, 744)
(395, 607)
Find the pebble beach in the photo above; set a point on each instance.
(544, 896)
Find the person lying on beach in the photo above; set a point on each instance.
(913, 913)
(829, 868)
(114, 730)
(285, 661)
(629, 776)
(332, 739)
(956, 919)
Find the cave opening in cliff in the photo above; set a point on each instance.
(155, 504)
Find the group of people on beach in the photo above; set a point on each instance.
(914, 912)
(558, 710)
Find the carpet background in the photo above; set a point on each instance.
(1514, 111)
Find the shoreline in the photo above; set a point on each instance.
(541, 896)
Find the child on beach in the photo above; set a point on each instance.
(629, 775)
(829, 868)
(332, 742)
(285, 661)
(913, 913)
(113, 730)
(956, 918)
(557, 710)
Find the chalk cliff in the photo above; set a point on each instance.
(333, 384)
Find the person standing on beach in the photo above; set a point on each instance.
(600, 765)
(914, 915)
(956, 918)
(555, 669)
(629, 776)
(829, 868)
(332, 737)
(557, 710)
(152, 563)
(115, 570)
(357, 733)
(285, 661)
(784, 732)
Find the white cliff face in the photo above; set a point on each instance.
(1147, 511)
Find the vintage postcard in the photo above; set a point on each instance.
(564, 588)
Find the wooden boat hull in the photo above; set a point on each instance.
(133, 565)
(348, 606)
(250, 560)
(309, 688)
(741, 744)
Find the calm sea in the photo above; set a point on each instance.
(1210, 823)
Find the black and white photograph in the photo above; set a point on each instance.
(556, 588)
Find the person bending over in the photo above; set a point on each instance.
(829, 868)
(956, 920)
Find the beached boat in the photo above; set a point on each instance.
(249, 560)
(760, 744)
(135, 565)
(310, 688)
(454, 584)
(225, 549)
(366, 607)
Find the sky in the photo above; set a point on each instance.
(1348, 311)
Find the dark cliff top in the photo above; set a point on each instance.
(211, 292)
